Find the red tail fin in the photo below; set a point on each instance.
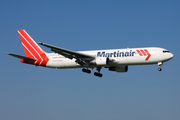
(32, 49)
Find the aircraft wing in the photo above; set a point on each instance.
(80, 58)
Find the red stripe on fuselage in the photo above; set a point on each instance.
(139, 52)
(142, 51)
(149, 55)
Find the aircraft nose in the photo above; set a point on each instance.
(172, 55)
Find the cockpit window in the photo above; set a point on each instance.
(165, 51)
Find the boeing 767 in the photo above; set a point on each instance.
(114, 59)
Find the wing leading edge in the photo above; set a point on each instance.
(80, 58)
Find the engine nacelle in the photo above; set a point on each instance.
(102, 61)
(119, 68)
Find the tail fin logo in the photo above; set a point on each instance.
(32, 49)
(144, 52)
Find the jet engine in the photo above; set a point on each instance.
(102, 61)
(119, 68)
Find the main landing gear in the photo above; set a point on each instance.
(98, 73)
(95, 73)
(160, 65)
(86, 70)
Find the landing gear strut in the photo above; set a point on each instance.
(86, 70)
(98, 73)
(160, 65)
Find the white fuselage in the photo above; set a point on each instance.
(120, 57)
(114, 59)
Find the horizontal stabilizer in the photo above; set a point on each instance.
(21, 57)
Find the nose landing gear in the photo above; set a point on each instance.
(160, 65)
(159, 69)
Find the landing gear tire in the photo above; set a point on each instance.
(86, 70)
(98, 74)
(160, 65)
(159, 69)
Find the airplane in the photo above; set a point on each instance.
(116, 60)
